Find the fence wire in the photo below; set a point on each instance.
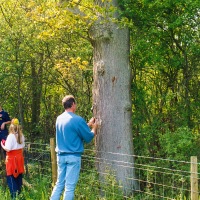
(156, 178)
(148, 177)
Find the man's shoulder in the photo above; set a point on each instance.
(77, 117)
(70, 115)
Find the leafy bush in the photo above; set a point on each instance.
(179, 145)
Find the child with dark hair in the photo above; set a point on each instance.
(13, 146)
(4, 121)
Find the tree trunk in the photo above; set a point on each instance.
(36, 85)
(112, 103)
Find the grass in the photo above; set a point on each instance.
(88, 188)
(39, 190)
(38, 187)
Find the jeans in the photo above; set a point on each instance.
(69, 166)
(14, 184)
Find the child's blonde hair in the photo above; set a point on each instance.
(15, 128)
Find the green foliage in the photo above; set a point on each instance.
(87, 188)
(38, 190)
(165, 65)
(168, 160)
(4, 194)
(90, 188)
(45, 54)
(180, 145)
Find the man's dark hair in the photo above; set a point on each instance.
(68, 101)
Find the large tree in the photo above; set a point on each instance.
(112, 98)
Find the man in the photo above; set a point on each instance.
(71, 133)
(4, 120)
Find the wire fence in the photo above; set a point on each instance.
(156, 178)
(37, 159)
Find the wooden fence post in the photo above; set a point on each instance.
(53, 161)
(194, 178)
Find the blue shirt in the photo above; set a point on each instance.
(4, 117)
(71, 133)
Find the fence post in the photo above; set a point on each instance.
(53, 161)
(194, 178)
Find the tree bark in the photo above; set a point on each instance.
(112, 103)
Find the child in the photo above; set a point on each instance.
(4, 121)
(13, 146)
